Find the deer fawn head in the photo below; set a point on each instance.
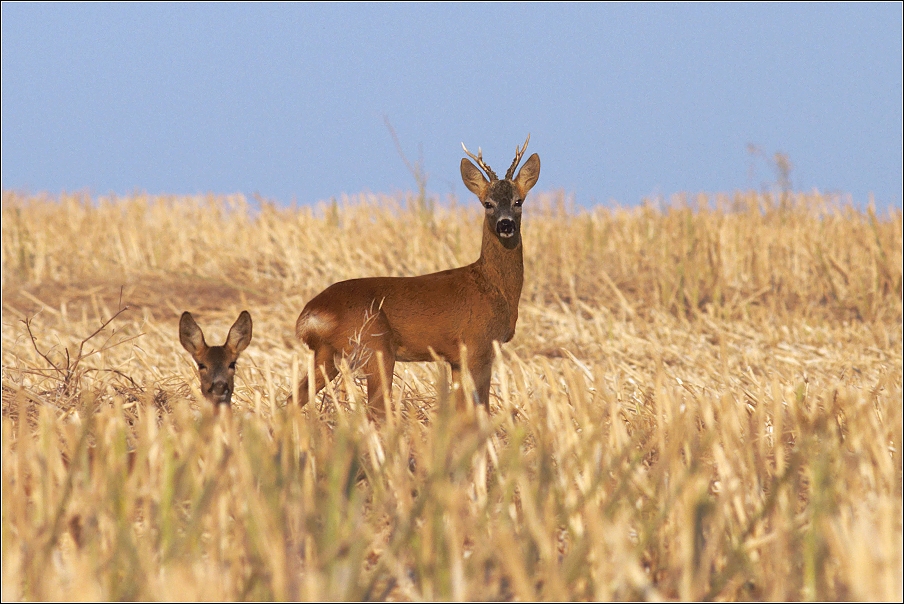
(216, 364)
(502, 199)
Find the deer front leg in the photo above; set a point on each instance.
(458, 391)
(481, 368)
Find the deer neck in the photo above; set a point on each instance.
(503, 266)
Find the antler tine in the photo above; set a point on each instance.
(518, 155)
(480, 162)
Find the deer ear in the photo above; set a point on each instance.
(473, 179)
(191, 336)
(240, 333)
(528, 174)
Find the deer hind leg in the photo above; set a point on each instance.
(379, 366)
(379, 382)
(324, 362)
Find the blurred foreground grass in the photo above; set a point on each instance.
(702, 401)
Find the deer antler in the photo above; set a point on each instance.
(480, 162)
(518, 155)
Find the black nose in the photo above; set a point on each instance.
(219, 388)
(505, 227)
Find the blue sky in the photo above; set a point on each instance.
(289, 101)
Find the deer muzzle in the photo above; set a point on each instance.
(220, 393)
(506, 228)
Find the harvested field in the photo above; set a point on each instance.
(702, 401)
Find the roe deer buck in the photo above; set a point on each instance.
(415, 318)
(216, 364)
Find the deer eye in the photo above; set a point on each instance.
(518, 203)
(202, 366)
(232, 365)
(488, 205)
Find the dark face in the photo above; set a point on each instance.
(502, 205)
(217, 373)
(502, 199)
(216, 364)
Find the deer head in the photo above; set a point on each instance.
(502, 199)
(216, 364)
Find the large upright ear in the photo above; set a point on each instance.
(528, 174)
(240, 333)
(191, 336)
(473, 178)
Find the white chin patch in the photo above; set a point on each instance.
(506, 235)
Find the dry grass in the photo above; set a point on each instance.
(702, 401)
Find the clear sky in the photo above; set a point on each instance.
(289, 101)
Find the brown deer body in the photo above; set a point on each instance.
(216, 364)
(415, 318)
